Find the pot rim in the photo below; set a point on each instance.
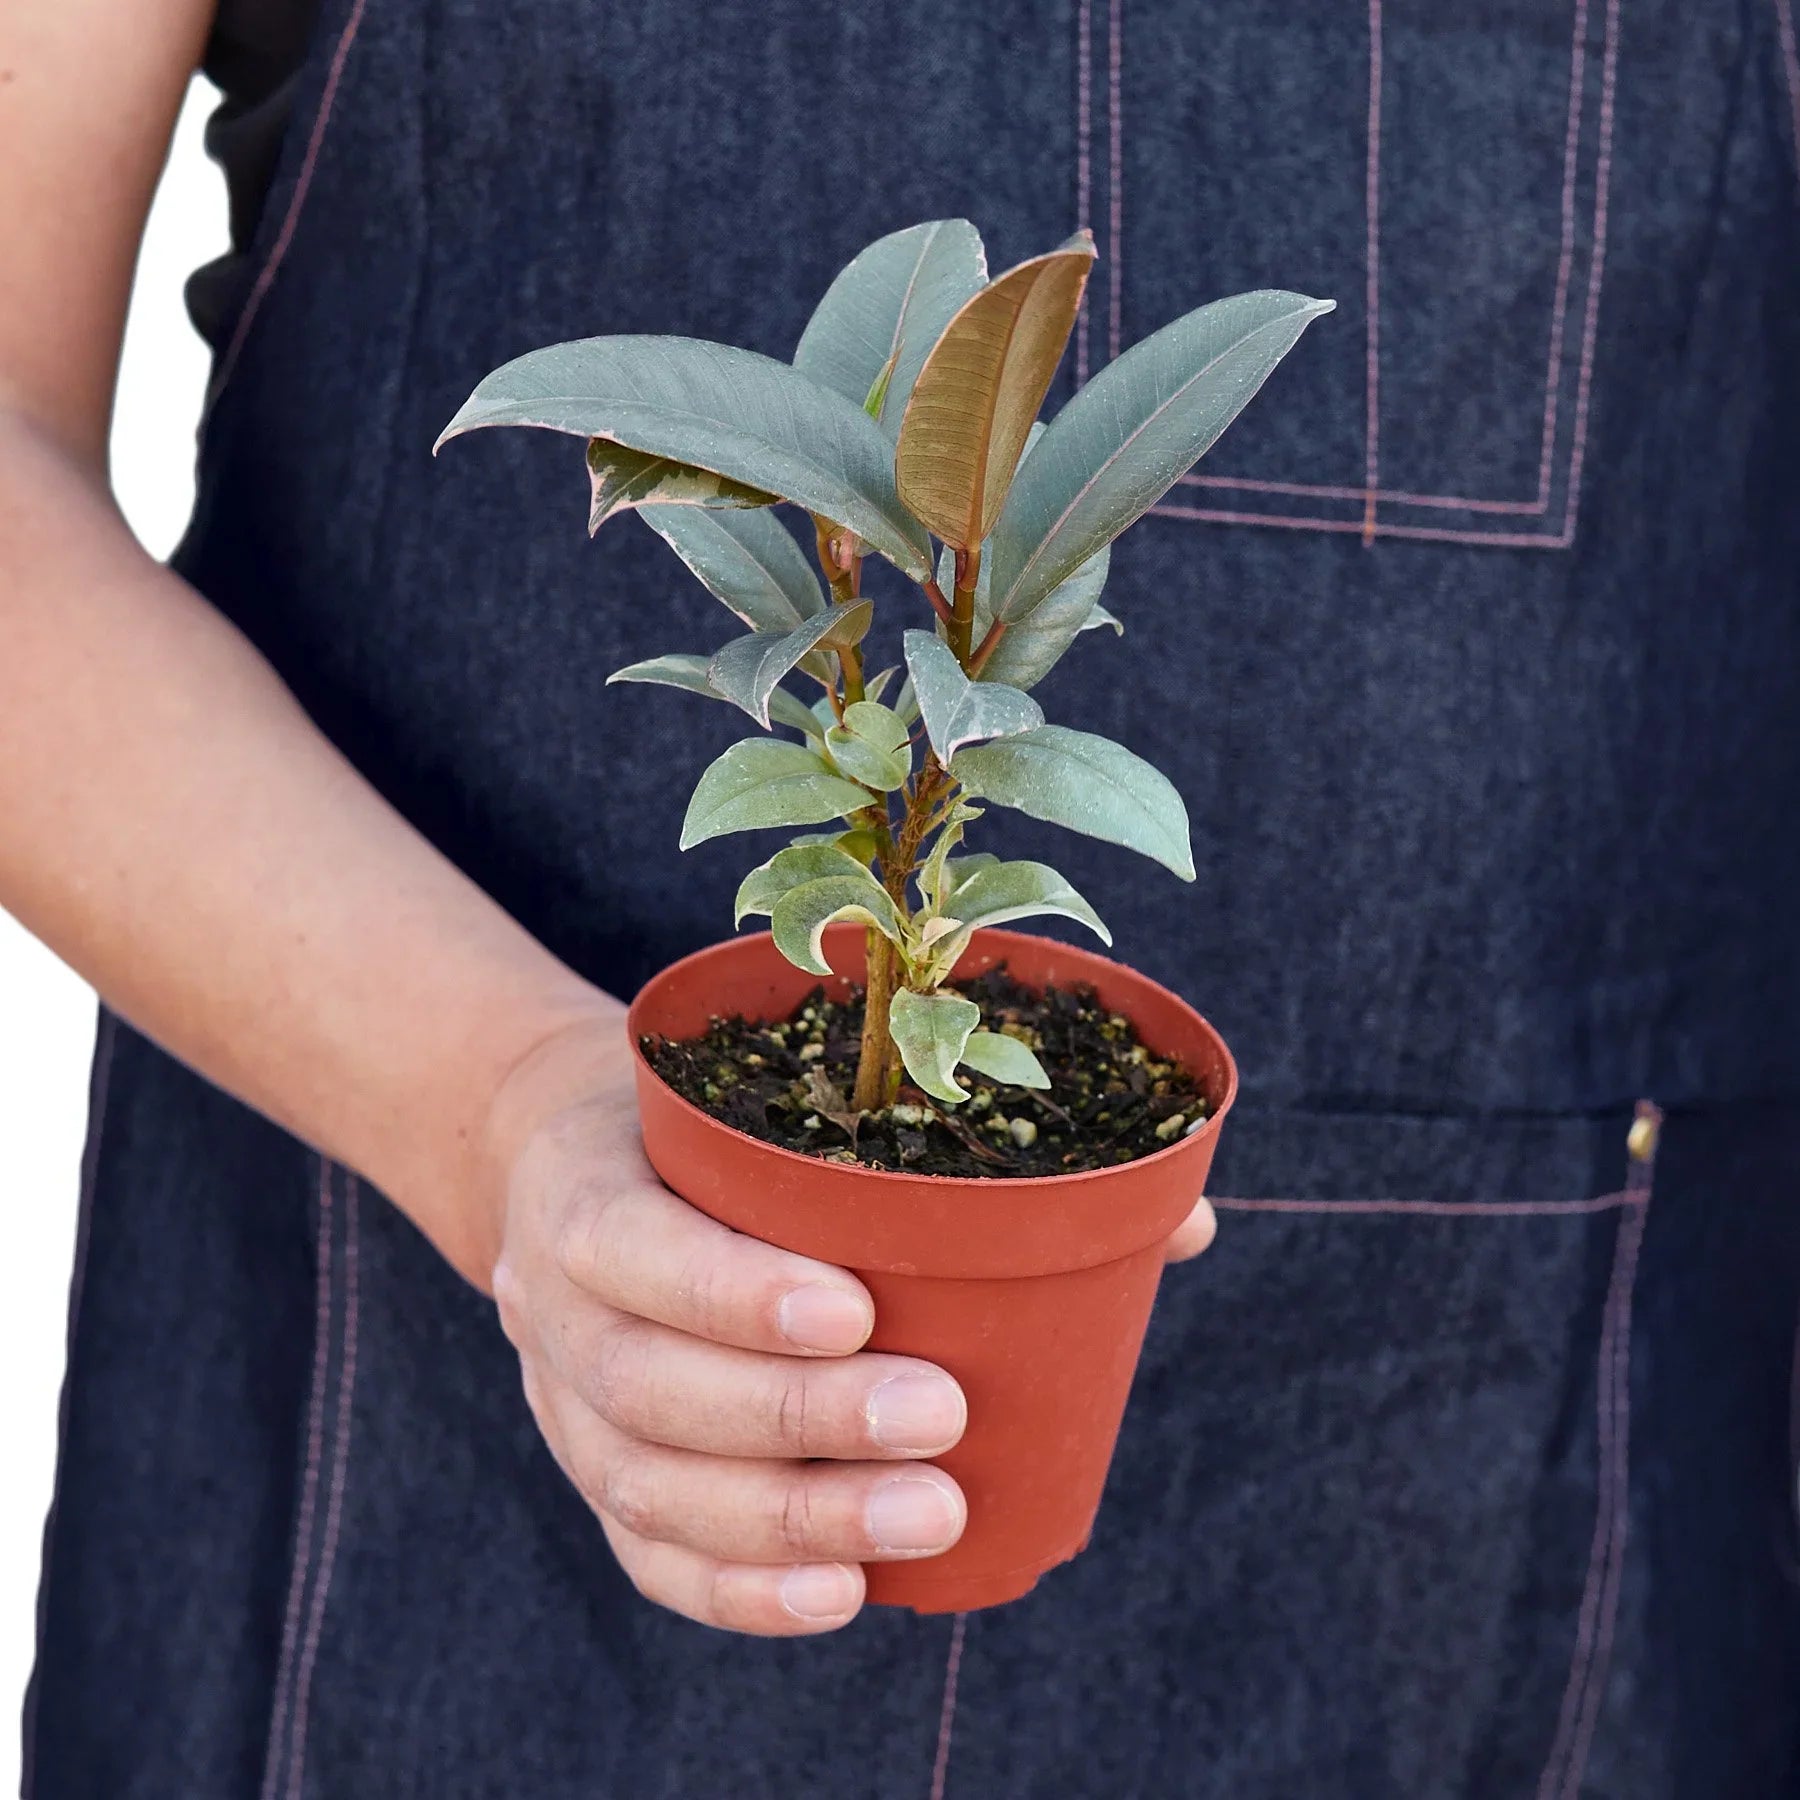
(986, 937)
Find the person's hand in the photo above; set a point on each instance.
(686, 1376)
(1194, 1234)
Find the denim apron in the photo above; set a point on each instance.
(1461, 1468)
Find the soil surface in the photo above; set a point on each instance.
(1110, 1099)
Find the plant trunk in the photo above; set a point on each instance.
(877, 1057)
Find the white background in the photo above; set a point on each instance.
(46, 1011)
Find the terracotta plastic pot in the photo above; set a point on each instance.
(1034, 1293)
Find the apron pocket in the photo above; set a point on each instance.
(1365, 1530)
(1446, 182)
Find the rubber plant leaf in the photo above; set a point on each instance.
(959, 711)
(1125, 439)
(1088, 783)
(682, 670)
(739, 414)
(763, 782)
(747, 671)
(1031, 647)
(870, 335)
(980, 389)
(931, 1031)
(748, 560)
(789, 868)
(870, 746)
(622, 480)
(800, 916)
(999, 892)
(934, 878)
(1003, 1058)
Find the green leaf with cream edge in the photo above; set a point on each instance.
(997, 893)
(764, 782)
(931, 1031)
(799, 918)
(1005, 1059)
(747, 670)
(870, 746)
(743, 416)
(623, 480)
(1088, 783)
(956, 710)
(682, 670)
(790, 868)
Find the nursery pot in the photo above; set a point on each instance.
(1033, 1292)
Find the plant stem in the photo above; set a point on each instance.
(935, 595)
(878, 1064)
(990, 642)
(877, 1054)
(850, 659)
(962, 605)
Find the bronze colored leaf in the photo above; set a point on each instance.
(979, 392)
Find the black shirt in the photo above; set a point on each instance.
(254, 58)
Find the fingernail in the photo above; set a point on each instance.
(913, 1514)
(823, 1318)
(916, 1412)
(819, 1591)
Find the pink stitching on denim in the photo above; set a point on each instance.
(303, 181)
(334, 1507)
(1399, 496)
(1084, 174)
(1514, 540)
(940, 1768)
(1564, 537)
(1115, 176)
(1559, 310)
(106, 1035)
(309, 1487)
(1440, 1209)
(1581, 1660)
(1372, 284)
(1790, 62)
(1631, 1238)
(1588, 1665)
(1590, 330)
(1600, 1666)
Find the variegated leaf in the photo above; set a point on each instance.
(746, 670)
(870, 746)
(622, 479)
(800, 916)
(789, 868)
(681, 670)
(931, 1031)
(763, 782)
(742, 415)
(957, 710)
(1003, 1058)
(1087, 783)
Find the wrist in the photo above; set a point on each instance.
(581, 1056)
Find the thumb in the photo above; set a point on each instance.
(1193, 1234)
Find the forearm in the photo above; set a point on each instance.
(175, 827)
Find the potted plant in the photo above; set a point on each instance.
(832, 1085)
